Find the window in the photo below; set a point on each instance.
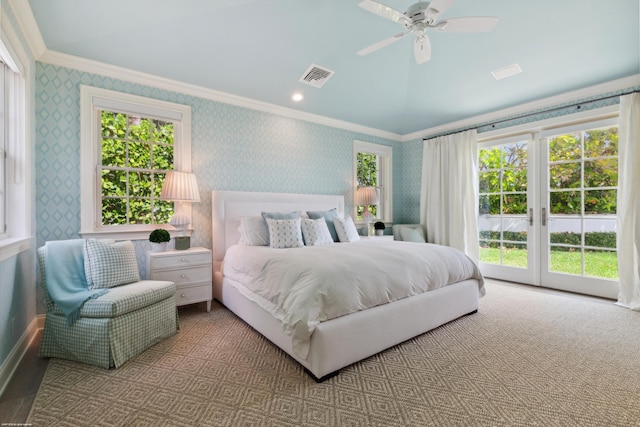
(128, 145)
(14, 222)
(3, 155)
(372, 168)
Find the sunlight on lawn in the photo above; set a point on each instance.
(597, 264)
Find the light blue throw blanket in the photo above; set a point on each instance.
(66, 281)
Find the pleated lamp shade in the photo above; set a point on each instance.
(366, 196)
(180, 187)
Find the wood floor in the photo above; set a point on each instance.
(16, 401)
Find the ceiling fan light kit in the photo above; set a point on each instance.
(418, 19)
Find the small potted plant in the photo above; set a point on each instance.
(159, 238)
(379, 226)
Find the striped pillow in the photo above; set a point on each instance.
(108, 263)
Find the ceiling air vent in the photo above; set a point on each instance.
(316, 76)
(508, 71)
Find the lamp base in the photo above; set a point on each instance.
(182, 243)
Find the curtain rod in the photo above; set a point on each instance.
(494, 123)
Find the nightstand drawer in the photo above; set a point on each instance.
(180, 260)
(190, 294)
(184, 275)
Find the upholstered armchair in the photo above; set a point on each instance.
(98, 311)
(409, 232)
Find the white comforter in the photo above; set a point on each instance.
(305, 286)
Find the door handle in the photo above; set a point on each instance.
(531, 216)
(544, 216)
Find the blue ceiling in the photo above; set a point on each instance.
(258, 49)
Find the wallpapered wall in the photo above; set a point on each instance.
(233, 148)
(17, 273)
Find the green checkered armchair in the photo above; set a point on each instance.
(112, 328)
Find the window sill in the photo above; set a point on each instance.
(14, 246)
(126, 235)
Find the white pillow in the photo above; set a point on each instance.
(316, 232)
(346, 229)
(285, 233)
(108, 263)
(253, 231)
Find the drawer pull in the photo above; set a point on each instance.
(182, 295)
(183, 259)
(183, 276)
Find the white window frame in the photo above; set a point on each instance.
(92, 101)
(384, 177)
(16, 226)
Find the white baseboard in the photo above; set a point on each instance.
(12, 362)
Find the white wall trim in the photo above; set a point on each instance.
(29, 27)
(552, 101)
(13, 246)
(28, 24)
(16, 355)
(112, 71)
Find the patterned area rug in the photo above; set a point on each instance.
(528, 357)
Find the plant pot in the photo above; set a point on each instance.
(158, 247)
(379, 232)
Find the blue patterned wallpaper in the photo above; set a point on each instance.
(233, 148)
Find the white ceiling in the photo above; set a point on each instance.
(258, 49)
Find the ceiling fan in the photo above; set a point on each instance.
(419, 18)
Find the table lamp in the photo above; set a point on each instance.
(182, 188)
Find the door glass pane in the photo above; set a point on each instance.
(582, 201)
(503, 220)
(565, 260)
(601, 264)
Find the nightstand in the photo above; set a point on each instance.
(189, 269)
(384, 237)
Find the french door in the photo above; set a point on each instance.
(547, 209)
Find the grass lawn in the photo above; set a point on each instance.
(598, 264)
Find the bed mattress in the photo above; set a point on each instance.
(302, 287)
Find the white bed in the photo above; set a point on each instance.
(340, 341)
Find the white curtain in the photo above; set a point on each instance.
(628, 216)
(449, 196)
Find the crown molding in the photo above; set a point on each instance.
(112, 71)
(553, 101)
(31, 32)
(28, 26)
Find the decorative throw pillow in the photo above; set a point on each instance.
(412, 234)
(253, 231)
(316, 232)
(346, 229)
(285, 233)
(108, 263)
(280, 215)
(328, 217)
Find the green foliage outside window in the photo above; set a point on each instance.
(367, 176)
(136, 154)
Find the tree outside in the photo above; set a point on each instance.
(136, 154)
(583, 179)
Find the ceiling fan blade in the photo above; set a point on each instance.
(382, 43)
(470, 24)
(422, 49)
(383, 11)
(439, 6)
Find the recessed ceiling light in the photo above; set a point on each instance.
(297, 97)
(508, 71)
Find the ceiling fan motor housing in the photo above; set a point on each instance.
(418, 15)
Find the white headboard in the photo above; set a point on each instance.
(228, 206)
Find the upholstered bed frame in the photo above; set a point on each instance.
(345, 340)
